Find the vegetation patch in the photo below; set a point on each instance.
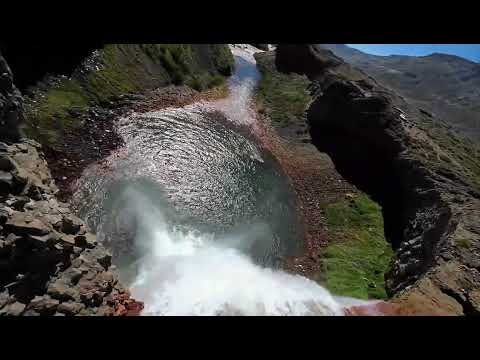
(284, 98)
(463, 155)
(355, 262)
(56, 105)
(464, 243)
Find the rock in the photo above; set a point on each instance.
(22, 147)
(31, 313)
(13, 309)
(6, 163)
(44, 305)
(4, 299)
(68, 240)
(6, 182)
(105, 310)
(22, 224)
(70, 308)
(430, 207)
(61, 291)
(92, 298)
(71, 224)
(42, 241)
(10, 105)
(87, 240)
(4, 214)
(73, 275)
(263, 47)
(474, 300)
(18, 202)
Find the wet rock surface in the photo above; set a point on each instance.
(430, 201)
(50, 264)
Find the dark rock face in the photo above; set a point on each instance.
(373, 138)
(10, 105)
(31, 61)
(263, 47)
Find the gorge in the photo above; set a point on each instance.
(224, 184)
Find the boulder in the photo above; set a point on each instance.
(71, 224)
(43, 305)
(70, 307)
(21, 223)
(63, 291)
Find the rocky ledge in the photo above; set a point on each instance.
(50, 264)
(425, 179)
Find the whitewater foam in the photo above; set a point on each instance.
(186, 272)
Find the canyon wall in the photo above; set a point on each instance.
(425, 179)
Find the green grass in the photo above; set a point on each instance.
(356, 261)
(464, 153)
(464, 243)
(49, 119)
(122, 69)
(283, 97)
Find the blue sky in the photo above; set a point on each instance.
(467, 51)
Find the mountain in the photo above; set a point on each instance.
(446, 85)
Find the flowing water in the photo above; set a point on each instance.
(198, 214)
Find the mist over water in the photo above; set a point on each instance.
(198, 215)
(186, 272)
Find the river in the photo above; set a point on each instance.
(198, 214)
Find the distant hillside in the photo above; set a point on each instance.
(446, 85)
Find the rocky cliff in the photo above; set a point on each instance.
(50, 264)
(425, 179)
(446, 85)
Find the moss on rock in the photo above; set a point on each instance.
(119, 69)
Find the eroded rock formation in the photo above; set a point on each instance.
(50, 264)
(429, 196)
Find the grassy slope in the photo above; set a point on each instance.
(356, 261)
(358, 256)
(119, 69)
(462, 155)
(284, 98)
